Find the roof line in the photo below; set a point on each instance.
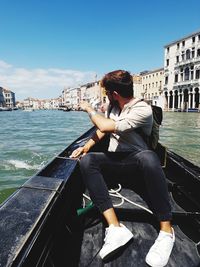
(183, 38)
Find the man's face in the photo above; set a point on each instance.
(110, 97)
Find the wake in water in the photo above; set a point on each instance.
(19, 164)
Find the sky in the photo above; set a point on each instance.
(48, 45)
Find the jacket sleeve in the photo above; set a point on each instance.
(137, 117)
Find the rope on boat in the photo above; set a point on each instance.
(113, 193)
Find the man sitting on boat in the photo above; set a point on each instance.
(125, 115)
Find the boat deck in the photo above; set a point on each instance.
(145, 230)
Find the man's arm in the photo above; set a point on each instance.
(90, 143)
(105, 125)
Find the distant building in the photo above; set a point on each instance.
(91, 92)
(34, 103)
(2, 99)
(94, 93)
(71, 97)
(7, 98)
(182, 73)
(152, 87)
(137, 86)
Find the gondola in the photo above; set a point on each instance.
(47, 223)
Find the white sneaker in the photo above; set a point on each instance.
(159, 253)
(115, 237)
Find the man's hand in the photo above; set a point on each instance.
(79, 151)
(85, 106)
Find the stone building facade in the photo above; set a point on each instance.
(182, 73)
(7, 98)
(152, 87)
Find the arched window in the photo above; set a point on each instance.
(188, 54)
(187, 71)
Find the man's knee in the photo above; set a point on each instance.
(149, 159)
(87, 160)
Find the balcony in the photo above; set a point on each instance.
(195, 82)
(188, 61)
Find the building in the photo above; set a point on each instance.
(137, 85)
(2, 99)
(182, 73)
(7, 98)
(94, 93)
(152, 87)
(71, 97)
(91, 92)
(35, 104)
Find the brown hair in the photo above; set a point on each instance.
(120, 81)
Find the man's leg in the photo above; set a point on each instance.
(157, 191)
(117, 235)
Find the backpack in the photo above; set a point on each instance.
(152, 140)
(157, 121)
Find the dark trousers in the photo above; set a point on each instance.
(145, 163)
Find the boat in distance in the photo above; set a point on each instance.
(46, 223)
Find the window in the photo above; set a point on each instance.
(192, 73)
(198, 52)
(167, 62)
(166, 80)
(181, 74)
(177, 59)
(188, 54)
(178, 45)
(183, 55)
(199, 37)
(183, 43)
(187, 72)
(176, 78)
(197, 76)
(167, 49)
(193, 39)
(193, 52)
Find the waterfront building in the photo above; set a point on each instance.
(71, 97)
(182, 73)
(7, 98)
(2, 99)
(35, 104)
(93, 93)
(55, 103)
(137, 85)
(152, 87)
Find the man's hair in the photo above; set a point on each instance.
(120, 81)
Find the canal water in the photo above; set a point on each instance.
(28, 140)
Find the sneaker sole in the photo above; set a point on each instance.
(154, 265)
(116, 250)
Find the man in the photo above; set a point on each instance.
(125, 115)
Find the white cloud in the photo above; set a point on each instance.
(40, 83)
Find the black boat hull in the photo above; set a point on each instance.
(40, 226)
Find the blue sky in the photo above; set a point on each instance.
(46, 45)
